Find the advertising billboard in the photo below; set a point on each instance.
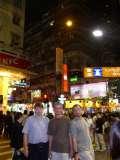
(99, 72)
(89, 90)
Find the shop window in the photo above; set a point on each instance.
(18, 3)
(15, 39)
(16, 19)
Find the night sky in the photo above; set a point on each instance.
(35, 8)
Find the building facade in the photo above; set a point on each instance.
(79, 47)
(12, 13)
(13, 63)
(42, 39)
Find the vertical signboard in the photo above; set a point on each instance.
(65, 78)
(59, 60)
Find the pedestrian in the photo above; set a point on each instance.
(16, 135)
(58, 131)
(115, 140)
(8, 124)
(80, 135)
(35, 139)
(24, 117)
(99, 135)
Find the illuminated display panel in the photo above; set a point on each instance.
(70, 104)
(89, 90)
(107, 72)
(111, 71)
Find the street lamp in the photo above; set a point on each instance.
(69, 23)
(97, 33)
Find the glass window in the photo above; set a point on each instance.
(16, 19)
(15, 39)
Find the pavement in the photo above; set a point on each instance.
(6, 151)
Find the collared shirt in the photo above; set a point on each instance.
(80, 130)
(36, 127)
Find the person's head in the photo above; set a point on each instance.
(18, 116)
(98, 115)
(25, 112)
(31, 113)
(38, 107)
(77, 110)
(58, 109)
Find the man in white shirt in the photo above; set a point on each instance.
(35, 139)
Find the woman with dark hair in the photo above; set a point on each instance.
(115, 141)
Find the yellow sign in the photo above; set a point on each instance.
(99, 72)
(71, 103)
(111, 71)
(88, 72)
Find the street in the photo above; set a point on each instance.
(6, 151)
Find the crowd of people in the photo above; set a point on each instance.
(62, 136)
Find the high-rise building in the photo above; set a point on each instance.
(12, 13)
(80, 48)
(42, 39)
(105, 15)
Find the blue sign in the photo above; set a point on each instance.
(97, 72)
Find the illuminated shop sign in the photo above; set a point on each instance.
(74, 79)
(97, 72)
(111, 71)
(65, 78)
(106, 72)
(10, 60)
(89, 90)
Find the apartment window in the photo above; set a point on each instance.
(15, 39)
(16, 19)
(18, 3)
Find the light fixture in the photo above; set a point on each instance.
(97, 33)
(69, 23)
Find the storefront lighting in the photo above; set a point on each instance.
(5, 74)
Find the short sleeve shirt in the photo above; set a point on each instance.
(36, 127)
(79, 129)
(59, 129)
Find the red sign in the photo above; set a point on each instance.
(13, 61)
(65, 78)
